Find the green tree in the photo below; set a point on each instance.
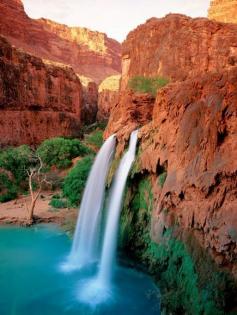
(61, 151)
(75, 181)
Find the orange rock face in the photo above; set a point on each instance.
(190, 132)
(131, 112)
(91, 54)
(37, 100)
(108, 96)
(178, 47)
(193, 134)
(223, 11)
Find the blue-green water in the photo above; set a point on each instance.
(32, 282)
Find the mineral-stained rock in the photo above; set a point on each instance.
(90, 53)
(188, 141)
(108, 96)
(192, 137)
(223, 11)
(38, 100)
(178, 47)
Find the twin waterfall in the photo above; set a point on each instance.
(114, 208)
(86, 247)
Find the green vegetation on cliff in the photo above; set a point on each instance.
(190, 283)
(147, 85)
(95, 138)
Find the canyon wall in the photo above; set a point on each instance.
(90, 53)
(223, 11)
(89, 103)
(108, 96)
(38, 100)
(187, 151)
(178, 47)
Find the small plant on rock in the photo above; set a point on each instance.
(147, 85)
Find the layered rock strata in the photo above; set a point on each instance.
(38, 100)
(178, 47)
(91, 54)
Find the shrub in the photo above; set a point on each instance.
(16, 161)
(8, 189)
(60, 151)
(58, 203)
(147, 85)
(75, 181)
(95, 138)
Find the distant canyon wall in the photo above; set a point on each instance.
(37, 100)
(90, 53)
(223, 11)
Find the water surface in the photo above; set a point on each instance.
(32, 282)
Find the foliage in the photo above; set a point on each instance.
(135, 224)
(189, 282)
(16, 161)
(95, 138)
(75, 181)
(91, 128)
(58, 203)
(8, 189)
(162, 179)
(60, 151)
(147, 85)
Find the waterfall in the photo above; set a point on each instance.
(85, 242)
(114, 209)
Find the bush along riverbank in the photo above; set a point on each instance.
(58, 167)
(189, 280)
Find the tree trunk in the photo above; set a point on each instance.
(31, 211)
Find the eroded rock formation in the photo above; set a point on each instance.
(178, 47)
(38, 100)
(190, 134)
(108, 96)
(223, 11)
(91, 54)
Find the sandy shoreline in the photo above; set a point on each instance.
(14, 212)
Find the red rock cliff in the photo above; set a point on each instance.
(38, 100)
(178, 47)
(191, 132)
(223, 11)
(91, 54)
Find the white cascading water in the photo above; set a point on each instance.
(85, 242)
(114, 209)
(98, 290)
